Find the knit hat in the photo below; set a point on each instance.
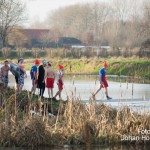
(37, 62)
(105, 64)
(20, 59)
(61, 67)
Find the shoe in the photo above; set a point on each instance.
(54, 99)
(108, 98)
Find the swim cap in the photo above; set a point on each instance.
(37, 62)
(61, 67)
(105, 64)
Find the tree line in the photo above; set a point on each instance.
(120, 23)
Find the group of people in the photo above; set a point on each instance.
(43, 75)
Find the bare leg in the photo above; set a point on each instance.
(106, 91)
(49, 93)
(100, 86)
(57, 94)
(20, 88)
(32, 89)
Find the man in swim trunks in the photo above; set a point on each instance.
(50, 77)
(103, 81)
(59, 80)
(4, 74)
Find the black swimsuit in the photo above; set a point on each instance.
(41, 84)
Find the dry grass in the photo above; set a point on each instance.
(75, 123)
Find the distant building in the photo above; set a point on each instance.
(67, 42)
(34, 36)
(82, 47)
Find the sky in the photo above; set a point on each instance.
(39, 9)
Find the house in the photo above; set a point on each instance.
(67, 42)
(34, 36)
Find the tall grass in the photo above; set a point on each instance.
(73, 123)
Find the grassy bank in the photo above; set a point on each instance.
(138, 68)
(73, 123)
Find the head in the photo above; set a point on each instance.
(6, 62)
(105, 65)
(37, 62)
(45, 63)
(20, 60)
(61, 67)
(49, 65)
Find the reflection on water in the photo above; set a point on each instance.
(118, 147)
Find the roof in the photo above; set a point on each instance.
(34, 33)
(68, 40)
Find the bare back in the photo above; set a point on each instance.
(50, 73)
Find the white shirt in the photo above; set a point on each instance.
(59, 75)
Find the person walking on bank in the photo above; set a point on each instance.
(59, 79)
(41, 78)
(33, 74)
(4, 74)
(103, 81)
(50, 77)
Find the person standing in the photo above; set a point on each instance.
(103, 81)
(33, 74)
(4, 74)
(41, 78)
(59, 79)
(50, 77)
(22, 74)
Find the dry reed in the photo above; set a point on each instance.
(74, 123)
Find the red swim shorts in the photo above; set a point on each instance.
(60, 84)
(50, 82)
(105, 84)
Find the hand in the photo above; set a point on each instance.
(101, 82)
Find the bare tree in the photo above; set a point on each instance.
(146, 20)
(11, 14)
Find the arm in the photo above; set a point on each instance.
(45, 75)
